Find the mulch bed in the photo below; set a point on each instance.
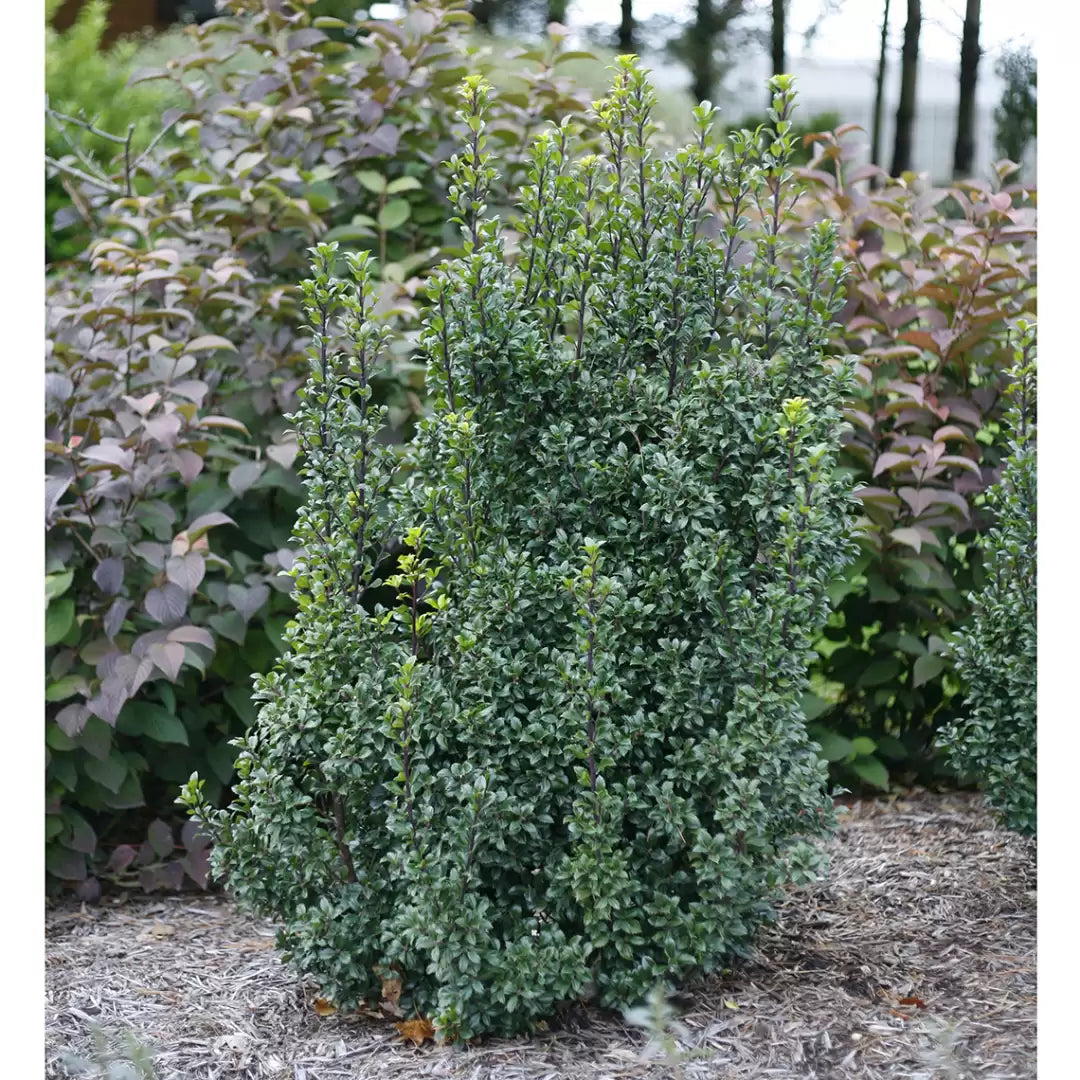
(915, 960)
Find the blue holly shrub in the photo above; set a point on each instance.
(538, 732)
(996, 653)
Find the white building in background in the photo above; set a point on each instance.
(836, 73)
(847, 87)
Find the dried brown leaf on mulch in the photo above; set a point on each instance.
(915, 960)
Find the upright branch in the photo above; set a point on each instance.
(347, 470)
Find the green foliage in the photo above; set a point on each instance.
(84, 79)
(936, 274)
(803, 150)
(171, 359)
(538, 732)
(127, 1058)
(87, 82)
(997, 653)
(660, 1021)
(1016, 116)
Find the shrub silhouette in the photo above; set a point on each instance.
(559, 749)
(997, 652)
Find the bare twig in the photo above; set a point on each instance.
(86, 178)
(88, 125)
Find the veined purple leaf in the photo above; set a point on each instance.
(161, 838)
(192, 635)
(109, 575)
(71, 719)
(55, 488)
(207, 521)
(114, 617)
(242, 476)
(187, 571)
(110, 453)
(167, 604)
(248, 599)
(189, 465)
(122, 857)
(168, 657)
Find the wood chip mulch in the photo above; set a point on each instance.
(915, 960)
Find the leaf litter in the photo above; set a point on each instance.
(915, 960)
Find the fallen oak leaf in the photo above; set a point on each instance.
(918, 1002)
(391, 995)
(324, 1007)
(417, 1031)
(253, 944)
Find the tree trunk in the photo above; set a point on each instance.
(964, 151)
(905, 111)
(711, 23)
(702, 68)
(779, 56)
(482, 11)
(626, 28)
(879, 90)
